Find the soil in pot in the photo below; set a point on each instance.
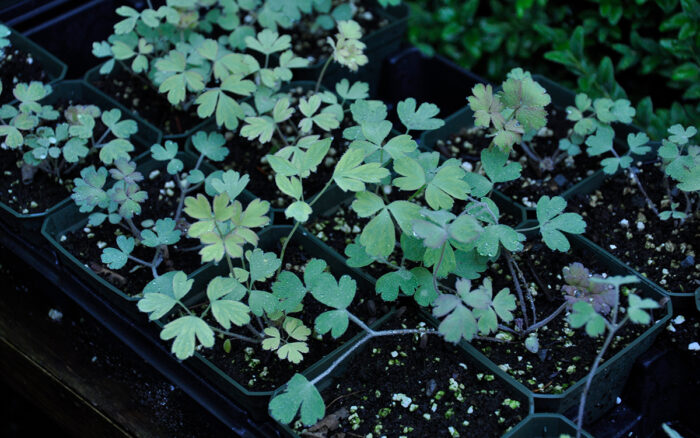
(417, 386)
(86, 244)
(665, 251)
(565, 354)
(248, 156)
(261, 370)
(310, 41)
(142, 98)
(27, 198)
(17, 66)
(536, 180)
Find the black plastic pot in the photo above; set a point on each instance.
(70, 35)
(54, 68)
(79, 92)
(380, 44)
(434, 79)
(612, 374)
(67, 219)
(544, 426)
(256, 401)
(477, 362)
(682, 301)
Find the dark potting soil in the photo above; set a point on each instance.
(622, 223)
(247, 156)
(25, 198)
(468, 143)
(310, 42)
(681, 332)
(422, 387)
(261, 370)
(131, 279)
(18, 66)
(143, 99)
(566, 354)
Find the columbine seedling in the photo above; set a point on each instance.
(595, 305)
(58, 142)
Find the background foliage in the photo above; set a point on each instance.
(645, 50)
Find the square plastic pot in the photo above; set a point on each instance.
(256, 401)
(59, 34)
(481, 364)
(434, 79)
(612, 374)
(544, 426)
(77, 91)
(67, 219)
(689, 301)
(54, 68)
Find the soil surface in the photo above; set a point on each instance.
(417, 386)
(261, 370)
(622, 223)
(565, 354)
(310, 41)
(144, 100)
(85, 243)
(18, 66)
(535, 182)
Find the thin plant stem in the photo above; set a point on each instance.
(519, 290)
(613, 328)
(284, 246)
(323, 72)
(236, 336)
(547, 320)
(437, 268)
(528, 293)
(362, 341)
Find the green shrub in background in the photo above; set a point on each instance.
(645, 50)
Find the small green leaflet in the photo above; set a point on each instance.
(584, 314)
(497, 167)
(421, 119)
(553, 222)
(350, 174)
(117, 258)
(262, 264)
(298, 396)
(637, 309)
(224, 294)
(162, 294)
(184, 330)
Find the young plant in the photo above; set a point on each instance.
(681, 162)
(172, 48)
(595, 304)
(348, 50)
(122, 202)
(514, 114)
(57, 143)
